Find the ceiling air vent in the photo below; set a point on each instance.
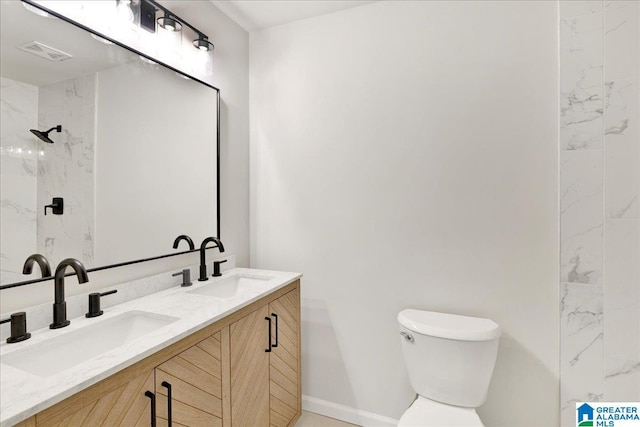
(44, 51)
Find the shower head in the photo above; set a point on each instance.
(45, 135)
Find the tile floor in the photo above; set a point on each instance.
(309, 419)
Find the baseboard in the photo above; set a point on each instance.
(346, 413)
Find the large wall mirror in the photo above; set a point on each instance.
(135, 160)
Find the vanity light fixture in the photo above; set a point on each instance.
(169, 23)
(172, 22)
(203, 43)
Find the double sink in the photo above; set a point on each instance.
(65, 351)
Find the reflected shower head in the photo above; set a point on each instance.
(45, 135)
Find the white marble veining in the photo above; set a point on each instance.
(581, 347)
(18, 165)
(575, 8)
(66, 169)
(622, 289)
(622, 380)
(582, 93)
(23, 394)
(622, 150)
(581, 216)
(600, 202)
(33, 172)
(621, 40)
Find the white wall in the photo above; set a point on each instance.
(404, 154)
(171, 193)
(230, 73)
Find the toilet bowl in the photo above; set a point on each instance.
(426, 412)
(450, 361)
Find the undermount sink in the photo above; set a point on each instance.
(66, 351)
(231, 286)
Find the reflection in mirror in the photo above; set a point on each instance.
(134, 138)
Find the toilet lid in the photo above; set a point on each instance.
(450, 326)
(428, 413)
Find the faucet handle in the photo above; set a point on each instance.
(18, 327)
(94, 303)
(216, 268)
(186, 277)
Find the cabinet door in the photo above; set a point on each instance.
(126, 405)
(248, 340)
(29, 422)
(284, 367)
(195, 380)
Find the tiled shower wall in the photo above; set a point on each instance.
(599, 203)
(33, 172)
(18, 165)
(66, 168)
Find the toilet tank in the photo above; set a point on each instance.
(450, 358)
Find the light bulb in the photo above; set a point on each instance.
(124, 11)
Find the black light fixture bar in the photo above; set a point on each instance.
(172, 15)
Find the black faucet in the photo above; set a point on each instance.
(185, 238)
(216, 268)
(18, 327)
(45, 268)
(59, 304)
(203, 265)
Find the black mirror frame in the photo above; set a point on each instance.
(137, 261)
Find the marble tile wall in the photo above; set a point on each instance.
(599, 203)
(18, 163)
(66, 169)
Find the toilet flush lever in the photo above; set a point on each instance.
(407, 336)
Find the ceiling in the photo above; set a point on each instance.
(19, 26)
(255, 15)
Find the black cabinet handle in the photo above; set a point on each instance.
(153, 407)
(168, 387)
(268, 319)
(275, 316)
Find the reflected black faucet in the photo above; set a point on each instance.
(45, 268)
(186, 238)
(59, 304)
(203, 265)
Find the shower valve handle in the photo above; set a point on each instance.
(57, 206)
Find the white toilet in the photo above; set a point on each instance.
(450, 361)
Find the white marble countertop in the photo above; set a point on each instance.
(23, 394)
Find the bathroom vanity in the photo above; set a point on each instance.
(225, 352)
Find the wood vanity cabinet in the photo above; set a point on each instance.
(220, 376)
(194, 379)
(124, 405)
(265, 368)
(285, 404)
